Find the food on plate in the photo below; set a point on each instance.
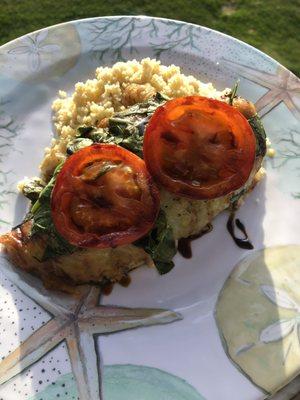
(199, 147)
(145, 158)
(103, 196)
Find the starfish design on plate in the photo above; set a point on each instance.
(34, 47)
(283, 86)
(78, 320)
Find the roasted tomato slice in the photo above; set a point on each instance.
(199, 147)
(104, 197)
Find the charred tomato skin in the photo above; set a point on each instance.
(199, 148)
(70, 188)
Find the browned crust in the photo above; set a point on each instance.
(65, 273)
(23, 252)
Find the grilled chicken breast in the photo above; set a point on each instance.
(82, 266)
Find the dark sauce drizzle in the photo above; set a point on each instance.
(244, 242)
(184, 244)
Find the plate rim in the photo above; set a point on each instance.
(206, 28)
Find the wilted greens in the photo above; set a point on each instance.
(42, 224)
(125, 128)
(160, 244)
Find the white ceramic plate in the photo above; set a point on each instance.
(235, 338)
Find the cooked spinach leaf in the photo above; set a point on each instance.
(119, 132)
(125, 128)
(160, 244)
(255, 123)
(78, 144)
(85, 130)
(235, 199)
(93, 172)
(260, 135)
(233, 93)
(129, 135)
(40, 214)
(32, 189)
(261, 148)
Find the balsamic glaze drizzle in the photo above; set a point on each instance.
(244, 242)
(184, 244)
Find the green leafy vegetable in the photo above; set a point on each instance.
(261, 148)
(32, 189)
(95, 171)
(260, 135)
(233, 93)
(125, 128)
(255, 123)
(42, 222)
(140, 110)
(160, 244)
(129, 135)
(77, 144)
(120, 132)
(235, 199)
(85, 130)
